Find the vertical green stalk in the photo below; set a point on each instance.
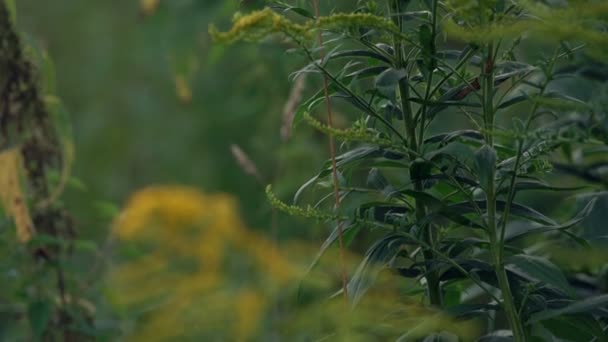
(499, 268)
(429, 81)
(508, 305)
(432, 276)
(487, 80)
(520, 149)
(404, 90)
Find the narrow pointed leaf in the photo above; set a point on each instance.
(376, 258)
(539, 270)
(387, 81)
(583, 306)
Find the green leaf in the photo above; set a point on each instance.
(391, 111)
(349, 231)
(342, 160)
(39, 314)
(359, 53)
(481, 268)
(431, 202)
(516, 210)
(454, 216)
(288, 8)
(485, 159)
(427, 42)
(458, 55)
(460, 179)
(444, 104)
(497, 336)
(567, 100)
(11, 5)
(356, 155)
(445, 138)
(513, 100)
(454, 247)
(582, 306)
(514, 69)
(455, 153)
(306, 185)
(308, 105)
(537, 185)
(366, 72)
(387, 82)
(521, 210)
(376, 258)
(573, 328)
(468, 311)
(520, 230)
(381, 211)
(376, 180)
(539, 269)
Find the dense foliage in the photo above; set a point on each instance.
(465, 186)
(451, 199)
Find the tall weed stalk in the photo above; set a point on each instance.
(453, 123)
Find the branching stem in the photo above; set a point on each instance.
(432, 275)
(489, 111)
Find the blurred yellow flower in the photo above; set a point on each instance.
(202, 275)
(174, 206)
(193, 243)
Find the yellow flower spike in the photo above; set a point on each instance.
(12, 197)
(346, 20)
(260, 24)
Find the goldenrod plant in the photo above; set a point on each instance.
(42, 296)
(195, 271)
(459, 111)
(437, 172)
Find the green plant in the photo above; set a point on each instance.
(456, 115)
(42, 299)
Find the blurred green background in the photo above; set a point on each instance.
(124, 76)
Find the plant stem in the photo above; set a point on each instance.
(429, 81)
(520, 151)
(499, 268)
(489, 111)
(509, 305)
(487, 79)
(334, 167)
(404, 90)
(433, 282)
(432, 276)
